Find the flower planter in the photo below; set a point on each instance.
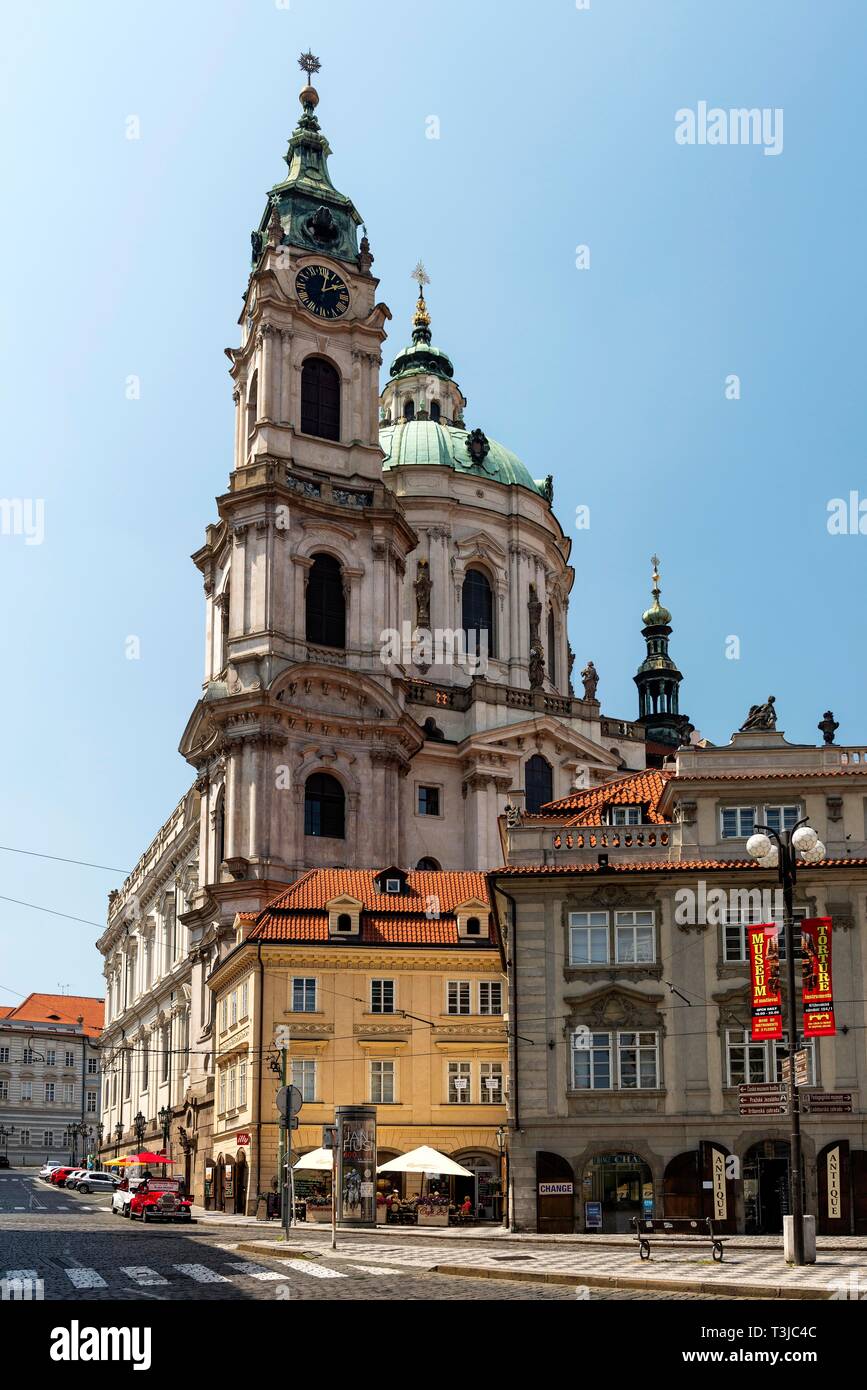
(319, 1214)
(433, 1218)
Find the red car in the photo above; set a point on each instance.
(161, 1199)
(59, 1176)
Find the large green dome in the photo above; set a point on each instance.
(425, 442)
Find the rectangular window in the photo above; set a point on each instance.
(223, 1091)
(49, 1092)
(591, 1062)
(51, 1058)
(491, 1078)
(382, 996)
(747, 1061)
(167, 1052)
(145, 1064)
(27, 1056)
(4, 1090)
(68, 1094)
(242, 1084)
(233, 1087)
(48, 1138)
(734, 941)
(69, 1060)
(428, 801)
(782, 817)
(245, 998)
(224, 1013)
(633, 933)
(25, 1139)
(26, 1090)
(637, 1055)
(588, 938)
(459, 1083)
(90, 1103)
(233, 1008)
(4, 1054)
(92, 1066)
(304, 1077)
(737, 822)
(490, 997)
(303, 995)
(382, 1083)
(458, 997)
(625, 815)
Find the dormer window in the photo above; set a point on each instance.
(472, 918)
(474, 926)
(391, 880)
(624, 815)
(344, 916)
(344, 922)
(392, 885)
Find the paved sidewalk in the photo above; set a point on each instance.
(752, 1272)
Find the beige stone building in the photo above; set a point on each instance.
(624, 910)
(391, 992)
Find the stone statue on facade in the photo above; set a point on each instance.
(828, 726)
(761, 716)
(590, 677)
(537, 654)
(422, 587)
(571, 656)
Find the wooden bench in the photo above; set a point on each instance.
(668, 1230)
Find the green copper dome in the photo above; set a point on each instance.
(425, 442)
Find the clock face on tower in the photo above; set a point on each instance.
(322, 292)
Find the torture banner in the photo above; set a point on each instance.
(816, 967)
(767, 1013)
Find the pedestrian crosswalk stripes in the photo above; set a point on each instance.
(141, 1274)
(314, 1270)
(254, 1271)
(202, 1274)
(85, 1279)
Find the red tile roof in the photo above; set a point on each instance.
(4, 1011)
(61, 1009)
(584, 807)
(658, 866)
(300, 914)
(792, 774)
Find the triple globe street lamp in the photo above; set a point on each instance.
(783, 850)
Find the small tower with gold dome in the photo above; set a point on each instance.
(658, 681)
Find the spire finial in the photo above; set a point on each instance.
(421, 317)
(309, 97)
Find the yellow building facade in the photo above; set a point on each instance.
(363, 987)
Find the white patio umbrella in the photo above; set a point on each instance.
(424, 1160)
(319, 1161)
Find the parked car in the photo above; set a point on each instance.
(4, 1161)
(72, 1177)
(59, 1176)
(123, 1195)
(46, 1170)
(161, 1199)
(97, 1181)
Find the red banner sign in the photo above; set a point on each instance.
(765, 974)
(816, 966)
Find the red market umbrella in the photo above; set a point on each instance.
(146, 1157)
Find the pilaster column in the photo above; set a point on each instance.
(286, 375)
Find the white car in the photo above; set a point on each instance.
(122, 1195)
(97, 1181)
(47, 1169)
(72, 1178)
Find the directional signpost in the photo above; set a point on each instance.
(829, 1103)
(767, 1098)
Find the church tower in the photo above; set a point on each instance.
(305, 567)
(658, 681)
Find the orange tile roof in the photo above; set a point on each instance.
(793, 774)
(585, 806)
(4, 1011)
(299, 913)
(659, 866)
(61, 1009)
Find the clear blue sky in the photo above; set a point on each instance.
(556, 129)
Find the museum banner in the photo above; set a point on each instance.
(816, 968)
(767, 1012)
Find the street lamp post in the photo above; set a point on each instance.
(139, 1125)
(118, 1135)
(165, 1119)
(782, 855)
(100, 1130)
(502, 1135)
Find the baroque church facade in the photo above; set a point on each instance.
(387, 666)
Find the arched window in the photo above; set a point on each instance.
(428, 865)
(434, 410)
(552, 648)
(477, 603)
(409, 410)
(324, 804)
(538, 782)
(474, 926)
(252, 404)
(326, 605)
(320, 399)
(344, 922)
